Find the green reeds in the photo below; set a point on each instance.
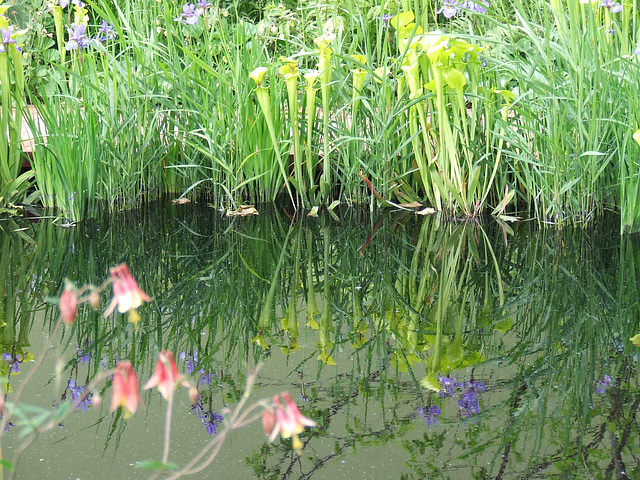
(13, 186)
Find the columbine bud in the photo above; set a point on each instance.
(96, 399)
(268, 421)
(194, 395)
(68, 303)
(94, 300)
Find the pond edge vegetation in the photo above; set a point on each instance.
(467, 108)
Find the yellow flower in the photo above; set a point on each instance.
(258, 74)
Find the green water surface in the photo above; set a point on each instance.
(364, 318)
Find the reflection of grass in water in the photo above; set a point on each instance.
(567, 306)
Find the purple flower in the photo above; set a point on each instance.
(77, 37)
(205, 377)
(468, 403)
(79, 395)
(449, 8)
(7, 40)
(210, 419)
(85, 357)
(106, 32)
(190, 14)
(603, 384)
(64, 3)
(447, 385)
(385, 18)
(611, 5)
(637, 51)
(430, 414)
(14, 361)
(201, 6)
(475, 7)
(192, 365)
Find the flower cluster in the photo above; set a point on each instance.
(468, 402)
(193, 364)
(14, 361)
(288, 422)
(450, 8)
(127, 296)
(430, 414)
(210, 420)
(78, 39)
(79, 394)
(191, 12)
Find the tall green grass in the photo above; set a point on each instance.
(530, 105)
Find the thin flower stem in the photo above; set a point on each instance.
(167, 430)
(236, 420)
(29, 376)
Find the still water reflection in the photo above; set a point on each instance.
(422, 348)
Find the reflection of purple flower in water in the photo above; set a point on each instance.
(192, 365)
(468, 403)
(14, 361)
(447, 385)
(430, 414)
(79, 395)
(210, 419)
(85, 357)
(192, 361)
(603, 384)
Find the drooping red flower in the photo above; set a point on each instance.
(69, 303)
(126, 392)
(127, 295)
(288, 422)
(166, 376)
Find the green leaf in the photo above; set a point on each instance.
(156, 465)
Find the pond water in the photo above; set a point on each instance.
(422, 348)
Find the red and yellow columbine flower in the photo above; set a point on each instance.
(127, 295)
(288, 422)
(68, 303)
(166, 377)
(126, 392)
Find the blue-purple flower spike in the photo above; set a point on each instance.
(430, 414)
